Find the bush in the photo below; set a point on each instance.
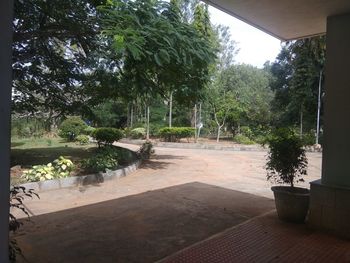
(104, 158)
(309, 138)
(242, 139)
(174, 134)
(82, 139)
(138, 133)
(146, 150)
(107, 135)
(286, 161)
(247, 132)
(89, 130)
(59, 168)
(72, 127)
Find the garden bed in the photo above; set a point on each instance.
(28, 152)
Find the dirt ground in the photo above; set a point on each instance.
(176, 199)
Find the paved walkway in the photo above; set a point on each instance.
(176, 199)
(236, 170)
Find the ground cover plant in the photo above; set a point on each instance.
(35, 154)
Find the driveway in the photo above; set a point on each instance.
(176, 199)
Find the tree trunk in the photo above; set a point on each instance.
(301, 122)
(195, 122)
(218, 134)
(170, 108)
(147, 134)
(132, 115)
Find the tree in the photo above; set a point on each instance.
(159, 51)
(250, 88)
(53, 43)
(295, 82)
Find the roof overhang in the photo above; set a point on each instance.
(284, 19)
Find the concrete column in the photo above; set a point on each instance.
(330, 197)
(6, 8)
(336, 154)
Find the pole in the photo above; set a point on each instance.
(6, 13)
(318, 108)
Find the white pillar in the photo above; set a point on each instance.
(330, 196)
(6, 9)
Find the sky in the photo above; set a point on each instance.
(256, 47)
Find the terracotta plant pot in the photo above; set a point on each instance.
(292, 203)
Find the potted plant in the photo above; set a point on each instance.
(287, 164)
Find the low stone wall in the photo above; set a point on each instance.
(74, 181)
(237, 147)
(199, 146)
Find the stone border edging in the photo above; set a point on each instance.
(199, 146)
(252, 148)
(83, 180)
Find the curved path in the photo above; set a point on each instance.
(236, 170)
(174, 200)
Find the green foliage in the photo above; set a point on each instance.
(17, 195)
(49, 76)
(109, 113)
(161, 52)
(27, 127)
(89, 130)
(242, 139)
(82, 139)
(296, 73)
(309, 138)
(174, 134)
(286, 161)
(146, 150)
(138, 133)
(59, 168)
(246, 131)
(104, 158)
(72, 127)
(107, 135)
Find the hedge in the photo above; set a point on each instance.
(174, 134)
(107, 135)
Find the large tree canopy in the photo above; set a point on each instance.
(296, 75)
(72, 54)
(159, 51)
(53, 46)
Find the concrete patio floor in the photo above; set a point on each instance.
(138, 228)
(176, 199)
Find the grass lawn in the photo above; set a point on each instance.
(33, 151)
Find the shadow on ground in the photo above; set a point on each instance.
(155, 162)
(139, 228)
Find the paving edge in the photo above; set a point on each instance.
(75, 181)
(199, 146)
(202, 146)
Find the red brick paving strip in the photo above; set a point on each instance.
(266, 239)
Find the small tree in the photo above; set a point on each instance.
(71, 127)
(107, 135)
(286, 161)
